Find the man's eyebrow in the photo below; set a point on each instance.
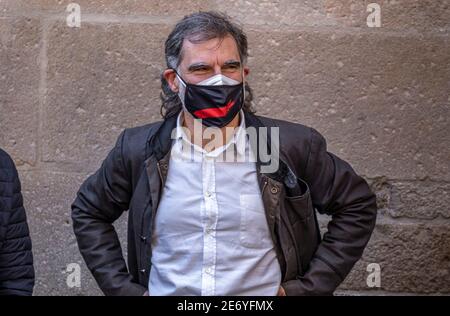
(232, 63)
(202, 65)
(196, 66)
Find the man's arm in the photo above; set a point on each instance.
(338, 191)
(100, 201)
(16, 258)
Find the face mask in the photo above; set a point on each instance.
(215, 101)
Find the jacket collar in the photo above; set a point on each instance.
(161, 142)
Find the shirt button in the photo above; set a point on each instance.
(208, 194)
(208, 270)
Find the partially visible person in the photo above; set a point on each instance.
(16, 258)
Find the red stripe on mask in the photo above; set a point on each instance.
(214, 112)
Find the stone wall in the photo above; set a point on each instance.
(379, 95)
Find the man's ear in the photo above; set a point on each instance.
(246, 71)
(171, 79)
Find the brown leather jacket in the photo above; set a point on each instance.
(308, 178)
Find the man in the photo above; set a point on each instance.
(206, 222)
(16, 259)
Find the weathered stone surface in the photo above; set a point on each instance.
(276, 13)
(101, 79)
(413, 15)
(413, 257)
(123, 7)
(19, 88)
(381, 107)
(419, 199)
(395, 15)
(48, 196)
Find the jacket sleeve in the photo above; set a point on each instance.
(16, 258)
(102, 198)
(338, 191)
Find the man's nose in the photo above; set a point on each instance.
(217, 70)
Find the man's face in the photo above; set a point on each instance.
(200, 61)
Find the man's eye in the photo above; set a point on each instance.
(201, 69)
(231, 68)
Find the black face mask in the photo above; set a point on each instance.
(215, 105)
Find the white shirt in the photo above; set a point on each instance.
(211, 235)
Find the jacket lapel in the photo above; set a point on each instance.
(157, 163)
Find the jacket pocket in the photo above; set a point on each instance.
(304, 224)
(254, 230)
(298, 202)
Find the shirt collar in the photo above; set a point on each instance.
(238, 139)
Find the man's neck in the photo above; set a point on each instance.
(187, 121)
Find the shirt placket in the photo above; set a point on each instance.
(209, 228)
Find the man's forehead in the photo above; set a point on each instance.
(223, 48)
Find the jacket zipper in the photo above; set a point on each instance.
(264, 186)
(152, 224)
(144, 237)
(154, 207)
(159, 172)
